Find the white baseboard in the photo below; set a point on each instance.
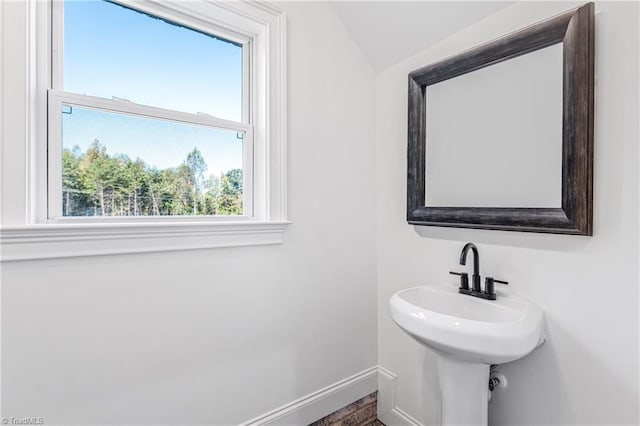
(325, 401)
(397, 417)
(322, 402)
(388, 411)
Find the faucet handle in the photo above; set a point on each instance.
(464, 279)
(489, 288)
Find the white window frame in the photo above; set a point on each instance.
(260, 27)
(57, 97)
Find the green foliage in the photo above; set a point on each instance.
(95, 183)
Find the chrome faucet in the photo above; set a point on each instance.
(476, 289)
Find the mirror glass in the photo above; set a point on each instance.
(494, 135)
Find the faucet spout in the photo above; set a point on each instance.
(476, 264)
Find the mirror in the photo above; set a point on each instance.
(501, 136)
(520, 147)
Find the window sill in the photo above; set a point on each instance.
(51, 241)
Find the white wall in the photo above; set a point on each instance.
(215, 336)
(587, 372)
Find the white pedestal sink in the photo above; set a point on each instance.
(468, 334)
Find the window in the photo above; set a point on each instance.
(147, 116)
(148, 126)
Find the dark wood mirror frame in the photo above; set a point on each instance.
(575, 30)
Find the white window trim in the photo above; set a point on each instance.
(39, 238)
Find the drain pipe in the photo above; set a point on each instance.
(496, 380)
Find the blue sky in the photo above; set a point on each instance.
(113, 51)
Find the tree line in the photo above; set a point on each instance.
(95, 183)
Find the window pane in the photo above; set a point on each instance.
(112, 51)
(122, 165)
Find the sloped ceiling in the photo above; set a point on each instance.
(389, 31)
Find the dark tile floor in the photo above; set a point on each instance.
(363, 412)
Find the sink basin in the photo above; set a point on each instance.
(469, 328)
(468, 334)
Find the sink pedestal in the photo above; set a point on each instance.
(468, 334)
(464, 392)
